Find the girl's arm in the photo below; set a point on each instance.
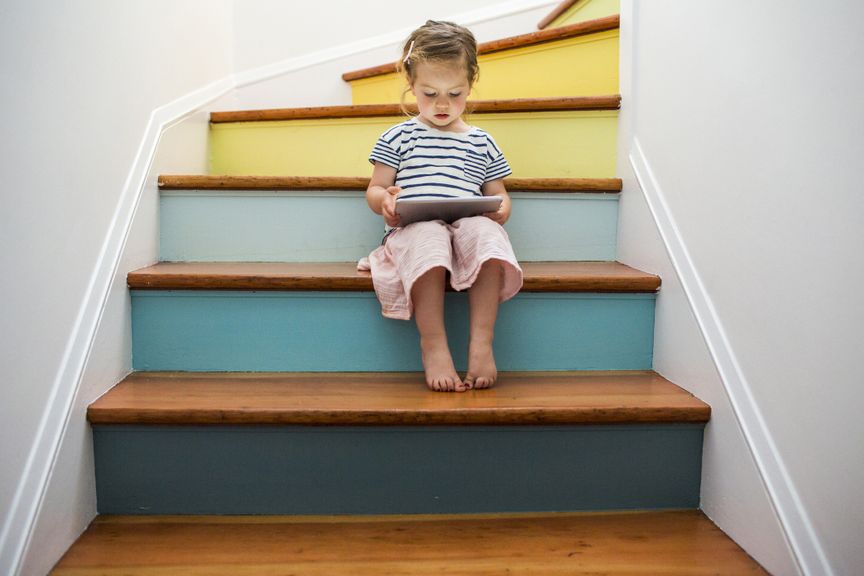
(496, 188)
(381, 193)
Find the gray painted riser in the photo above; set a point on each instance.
(336, 332)
(350, 470)
(339, 227)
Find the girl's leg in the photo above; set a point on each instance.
(427, 295)
(483, 299)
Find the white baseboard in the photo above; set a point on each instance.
(27, 501)
(785, 499)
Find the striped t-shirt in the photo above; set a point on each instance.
(434, 163)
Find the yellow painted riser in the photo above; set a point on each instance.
(587, 10)
(581, 66)
(576, 144)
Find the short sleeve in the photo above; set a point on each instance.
(386, 149)
(497, 166)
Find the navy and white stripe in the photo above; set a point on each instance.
(434, 163)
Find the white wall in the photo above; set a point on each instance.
(307, 51)
(272, 30)
(80, 81)
(90, 87)
(750, 125)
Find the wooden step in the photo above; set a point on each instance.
(228, 182)
(395, 398)
(538, 277)
(520, 41)
(656, 543)
(612, 102)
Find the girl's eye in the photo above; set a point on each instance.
(455, 94)
(429, 95)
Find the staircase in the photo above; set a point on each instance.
(267, 383)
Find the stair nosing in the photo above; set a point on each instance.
(250, 182)
(512, 42)
(496, 106)
(343, 276)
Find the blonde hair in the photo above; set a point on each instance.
(438, 41)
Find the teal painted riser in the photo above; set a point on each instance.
(351, 470)
(339, 227)
(335, 332)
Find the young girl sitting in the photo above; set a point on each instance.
(437, 154)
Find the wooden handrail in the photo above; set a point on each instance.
(558, 11)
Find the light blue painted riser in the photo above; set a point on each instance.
(337, 226)
(335, 332)
(395, 470)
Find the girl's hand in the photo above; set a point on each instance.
(388, 206)
(496, 188)
(502, 215)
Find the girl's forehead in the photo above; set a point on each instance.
(453, 73)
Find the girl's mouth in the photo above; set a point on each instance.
(441, 116)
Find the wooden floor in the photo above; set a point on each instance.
(655, 543)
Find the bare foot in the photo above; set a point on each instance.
(441, 374)
(482, 372)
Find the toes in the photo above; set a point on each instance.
(479, 383)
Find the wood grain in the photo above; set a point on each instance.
(225, 182)
(609, 543)
(393, 398)
(611, 102)
(336, 276)
(558, 11)
(520, 41)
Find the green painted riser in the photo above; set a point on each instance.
(345, 332)
(339, 227)
(350, 470)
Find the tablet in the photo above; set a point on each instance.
(447, 209)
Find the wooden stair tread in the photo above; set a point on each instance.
(393, 398)
(520, 41)
(613, 543)
(538, 277)
(228, 182)
(611, 102)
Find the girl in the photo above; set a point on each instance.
(437, 154)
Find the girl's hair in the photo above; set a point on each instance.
(437, 41)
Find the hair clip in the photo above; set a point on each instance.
(408, 55)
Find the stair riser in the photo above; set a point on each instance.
(314, 226)
(572, 144)
(337, 331)
(297, 470)
(586, 65)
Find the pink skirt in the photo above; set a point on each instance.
(462, 248)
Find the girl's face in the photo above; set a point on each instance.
(441, 89)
